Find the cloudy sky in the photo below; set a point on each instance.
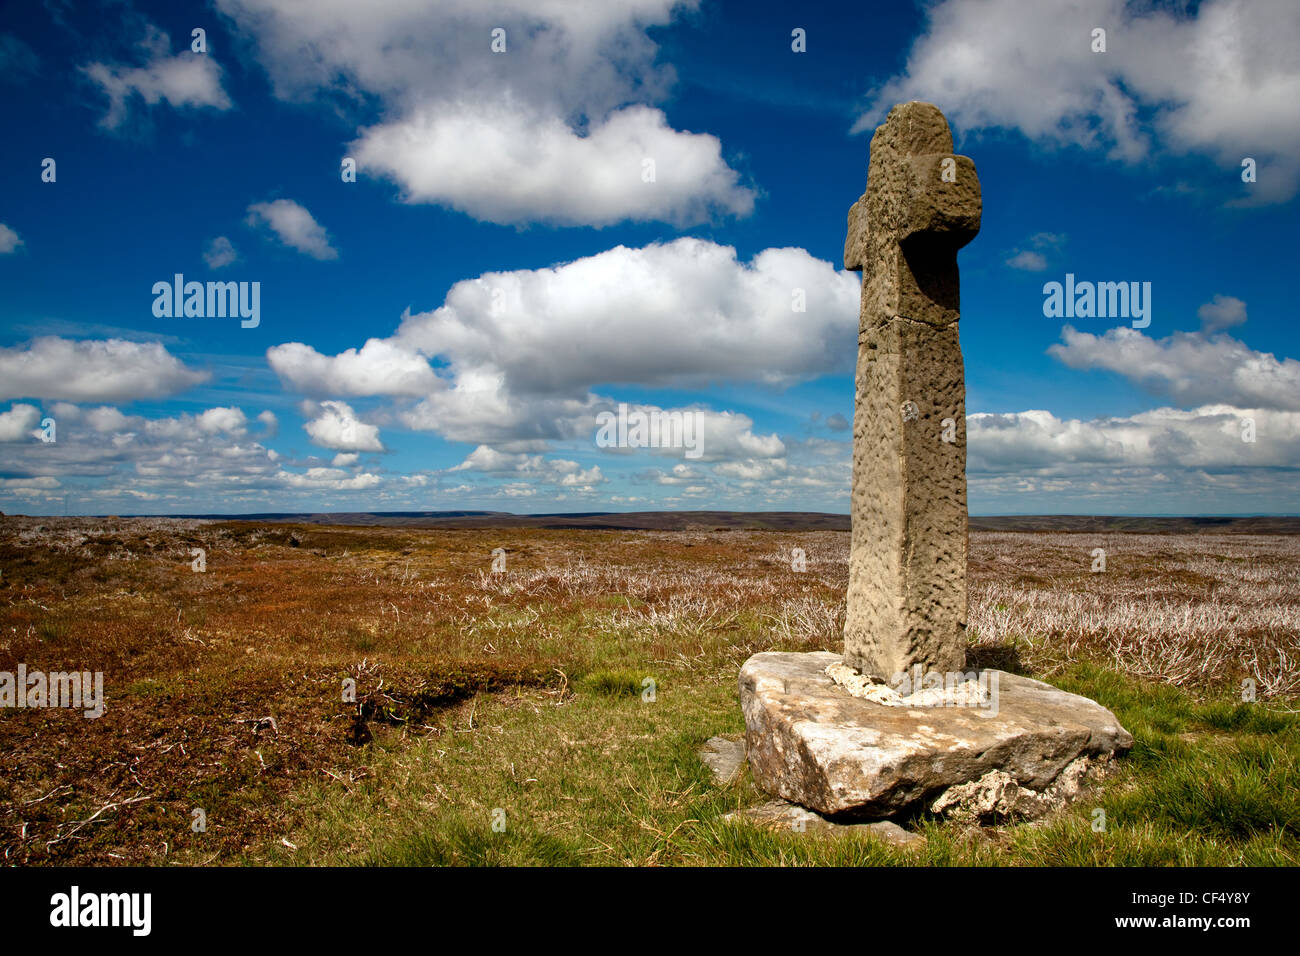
(559, 208)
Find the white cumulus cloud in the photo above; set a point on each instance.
(1221, 312)
(93, 370)
(185, 80)
(19, 422)
(378, 367)
(535, 468)
(1028, 260)
(338, 427)
(9, 240)
(554, 128)
(328, 479)
(1221, 81)
(294, 226)
(1207, 436)
(631, 165)
(219, 253)
(516, 355)
(1188, 367)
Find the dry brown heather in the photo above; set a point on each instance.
(224, 687)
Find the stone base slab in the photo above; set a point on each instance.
(782, 815)
(725, 759)
(811, 742)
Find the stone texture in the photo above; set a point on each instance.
(724, 758)
(965, 693)
(811, 742)
(783, 815)
(996, 797)
(907, 566)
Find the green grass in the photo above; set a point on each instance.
(53, 630)
(617, 683)
(149, 687)
(603, 777)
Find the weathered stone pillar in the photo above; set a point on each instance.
(907, 567)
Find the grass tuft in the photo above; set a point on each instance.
(615, 683)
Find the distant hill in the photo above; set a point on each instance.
(607, 520)
(1253, 524)
(762, 521)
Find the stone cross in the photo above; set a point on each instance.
(907, 567)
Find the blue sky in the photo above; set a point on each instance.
(446, 331)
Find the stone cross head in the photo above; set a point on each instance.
(922, 204)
